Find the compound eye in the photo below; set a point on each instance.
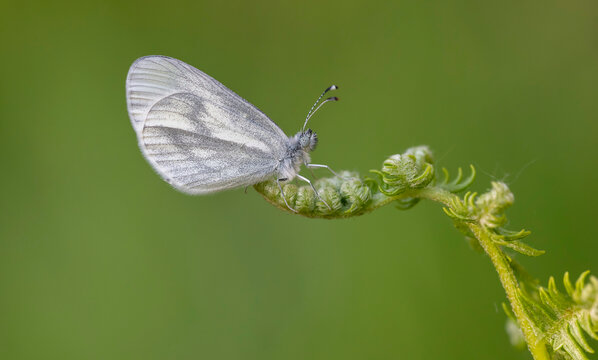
(304, 141)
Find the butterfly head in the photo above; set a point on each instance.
(308, 140)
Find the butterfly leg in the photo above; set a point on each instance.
(314, 189)
(282, 194)
(324, 166)
(311, 172)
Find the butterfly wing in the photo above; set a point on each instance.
(197, 134)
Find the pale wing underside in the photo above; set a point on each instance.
(194, 145)
(198, 135)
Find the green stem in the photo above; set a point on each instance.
(505, 273)
(432, 193)
(436, 194)
(507, 278)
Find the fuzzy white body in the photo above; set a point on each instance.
(296, 156)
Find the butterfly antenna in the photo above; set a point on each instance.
(312, 111)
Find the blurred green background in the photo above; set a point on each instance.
(100, 259)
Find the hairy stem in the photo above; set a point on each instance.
(536, 346)
(505, 273)
(436, 194)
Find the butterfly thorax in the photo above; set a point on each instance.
(297, 154)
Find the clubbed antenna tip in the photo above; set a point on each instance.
(315, 107)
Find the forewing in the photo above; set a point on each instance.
(198, 147)
(199, 135)
(152, 78)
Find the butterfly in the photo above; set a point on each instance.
(201, 137)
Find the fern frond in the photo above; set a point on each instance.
(458, 184)
(552, 322)
(488, 211)
(349, 195)
(402, 172)
(565, 319)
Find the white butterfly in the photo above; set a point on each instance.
(201, 137)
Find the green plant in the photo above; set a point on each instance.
(551, 322)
